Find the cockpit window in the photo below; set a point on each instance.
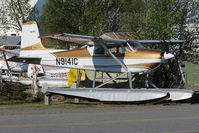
(98, 51)
(124, 48)
(135, 44)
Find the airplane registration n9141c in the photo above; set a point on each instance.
(66, 61)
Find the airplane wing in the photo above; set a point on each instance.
(84, 39)
(131, 37)
(119, 35)
(108, 41)
(60, 36)
(161, 41)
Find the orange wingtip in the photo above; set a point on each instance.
(51, 35)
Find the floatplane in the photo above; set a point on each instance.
(129, 58)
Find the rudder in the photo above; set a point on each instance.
(30, 37)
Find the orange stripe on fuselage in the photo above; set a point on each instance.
(84, 53)
(144, 53)
(74, 53)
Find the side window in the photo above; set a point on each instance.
(99, 51)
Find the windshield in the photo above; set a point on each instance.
(135, 44)
(129, 46)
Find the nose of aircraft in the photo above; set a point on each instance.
(168, 56)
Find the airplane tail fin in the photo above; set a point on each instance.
(30, 39)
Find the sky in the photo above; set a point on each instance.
(39, 5)
(33, 2)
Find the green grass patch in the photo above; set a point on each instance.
(192, 75)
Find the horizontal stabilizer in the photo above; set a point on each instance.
(25, 60)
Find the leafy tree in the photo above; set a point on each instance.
(164, 19)
(161, 20)
(132, 17)
(101, 16)
(61, 16)
(86, 17)
(13, 14)
(79, 16)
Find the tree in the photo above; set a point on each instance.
(79, 16)
(87, 17)
(100, 16)
(166, 19)
(163, 19)
(61, 16)
(13, 14)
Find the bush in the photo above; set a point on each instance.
(14, 91)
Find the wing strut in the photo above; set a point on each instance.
(114, 57)
(108, 81)
(130, 80)
(119, 62)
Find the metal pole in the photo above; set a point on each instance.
(78, 78)
(111, 77)
(151, 83)
(1, 79)
(8, 67)
(47, 99)
(94, 79)
(130, 80)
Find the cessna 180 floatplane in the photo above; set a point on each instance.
(129, 58)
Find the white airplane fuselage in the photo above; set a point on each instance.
(97, 57)
(138, 61)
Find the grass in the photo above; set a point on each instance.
(192, 73)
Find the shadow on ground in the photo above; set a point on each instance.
(195, 98)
